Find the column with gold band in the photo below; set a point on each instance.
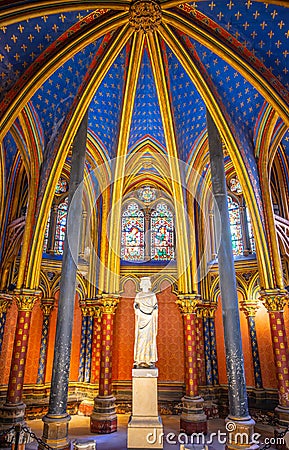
(5, 303)
(13, 410)
(103, 419)
(47, 305)
(193, 418)
(250, 309)
(274, 300)
(96, 346)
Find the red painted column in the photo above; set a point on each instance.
(193, 419)
(103, 419)
(200, 351)
(96, 347)
(274, 301)
(14, 409)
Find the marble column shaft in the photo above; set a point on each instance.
(238, 402)
(63, 339)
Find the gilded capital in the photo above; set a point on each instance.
(188, 303)
(207, 310)
(5, 302)
(145, 15)
(47, 305)
(109, 303)
(249, 307)
(274, 299)
(90, 308)
(25, 298)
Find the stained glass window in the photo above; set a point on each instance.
(132, 236)
(251, 235)
(236, 228)
(235, 186)
(60, 227)
(61, 187)
(147, 194)
(46, 234)
(162, 233)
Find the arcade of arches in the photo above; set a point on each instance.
(144, 138)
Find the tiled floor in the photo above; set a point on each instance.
(79, 430)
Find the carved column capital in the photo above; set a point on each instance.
(109, 303)
(249, 307)
(207, 310)
(188, 303)
(274, 299)
(5, 302)
(90, 307)
(47, 305)
(25, 298)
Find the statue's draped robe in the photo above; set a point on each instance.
(146, 319)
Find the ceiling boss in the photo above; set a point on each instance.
(145, 15)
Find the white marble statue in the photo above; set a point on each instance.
(146, 322)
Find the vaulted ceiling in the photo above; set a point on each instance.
(228, 55)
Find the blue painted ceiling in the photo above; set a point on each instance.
(262, 27)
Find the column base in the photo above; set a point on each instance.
(193, 419)
(240, 434)
(55, 431)
(103, 419)
(282, 415)
(10, 415)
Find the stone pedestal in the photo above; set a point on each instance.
(193, 419)
(240, 434)
(55, 431)
(103, 419)
(145, 429)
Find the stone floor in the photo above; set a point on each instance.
(79, 430)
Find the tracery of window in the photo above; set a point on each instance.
(61, 187)
(236, 227)
(132, 236)
(162, 233)
(147, 194)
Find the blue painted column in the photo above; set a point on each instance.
(55, 431)
(207, 339)
(250, 309)
(237, 393)
(214, 359)
(82, 344)
(5, 303)
(47, 305)
(88, 348)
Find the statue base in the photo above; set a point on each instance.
(145, 429)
